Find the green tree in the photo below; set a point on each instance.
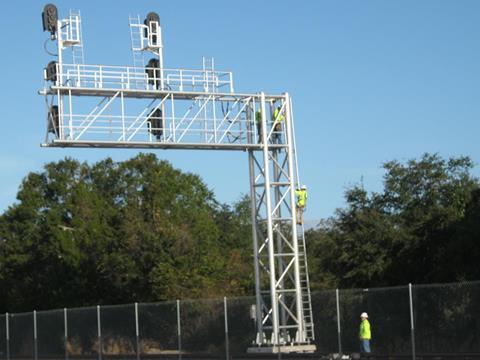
(426, 216)
(138, 230)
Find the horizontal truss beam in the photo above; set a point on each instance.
(154, 145)
(149, 94)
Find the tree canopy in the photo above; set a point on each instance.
(141, 230)
(112, 232)
(423, 227)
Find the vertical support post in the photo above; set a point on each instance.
(7, 334)
(294, 144)
(163, 137)
(160, 56)
(59, 52)
(214, 115)
(35, 343)
(61, 128)
(271, 245)
(173, 118)
(70, 115)
(179, 331)
(122, 107)
(205, 89)
(256, 255)
(279, 240)
(412, 322)
(293, 204)
(181, 79)
(225, 314)
(205, 121)
(99, 332)
(65, 326)
(339, 328)
(137, 332)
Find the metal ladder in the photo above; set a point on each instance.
(75, 25)
(305, 284)
(208, 72)
(304, 278)
(137, 43)
(136, 37)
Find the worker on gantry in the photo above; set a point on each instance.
(258, 122)
(277, 121)
(301, 203)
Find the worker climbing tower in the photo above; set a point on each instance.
(148, 106)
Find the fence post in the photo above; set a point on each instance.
(179, 331)
(137, 331)
(339, 328)
(35, 344)
(412, 325)
(99, 332)
(225, 314)
(65, 326)
(7, 333)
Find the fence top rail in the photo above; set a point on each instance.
(25, 313)
(246, 298)
(453, 284)
(367, 290)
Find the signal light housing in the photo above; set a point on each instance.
(53, 120)
(51, 71)
(155, 121)
(153, 72)
(50, 18)
(150, 21)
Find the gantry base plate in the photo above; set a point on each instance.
(284, 349)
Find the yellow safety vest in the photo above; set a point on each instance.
(278, 117)
(301, 197)
(365, 332)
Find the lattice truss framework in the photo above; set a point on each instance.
(138, 107)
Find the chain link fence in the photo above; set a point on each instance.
(407, 321)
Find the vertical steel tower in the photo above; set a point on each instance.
(101, 106)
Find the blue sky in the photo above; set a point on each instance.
(371, 81)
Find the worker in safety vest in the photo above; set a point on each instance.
(301, 203)
(365, 333)
(279, 118)
(258, 122)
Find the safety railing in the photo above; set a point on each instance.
(205, 121)
(134, 78)
(197, 130)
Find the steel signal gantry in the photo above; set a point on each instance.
(102, 106)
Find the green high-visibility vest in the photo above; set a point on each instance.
(280, 117)
(365, 332)
(258, 116)
(301, 197)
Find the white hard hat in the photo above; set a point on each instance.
(364, 315)
(304, 187)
